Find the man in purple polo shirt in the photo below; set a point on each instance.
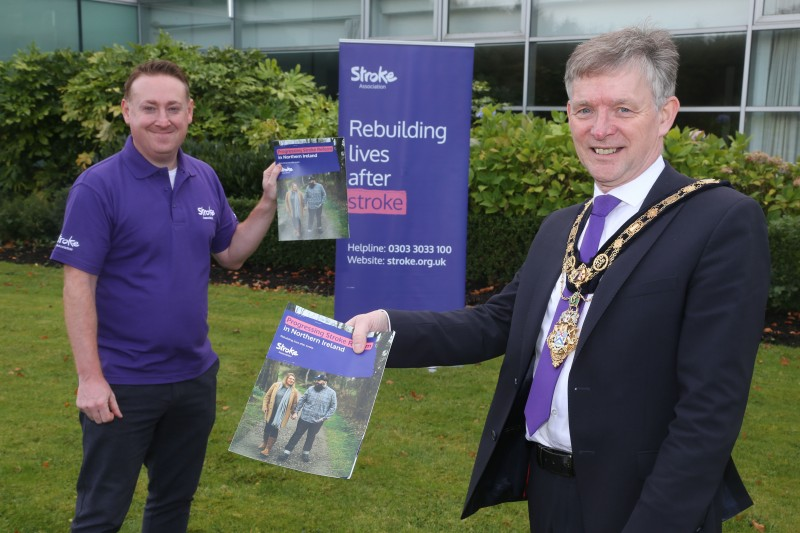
(138, 230)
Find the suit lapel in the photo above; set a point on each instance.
(668, 182)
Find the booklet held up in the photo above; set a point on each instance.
(312, 189)
(312, 400)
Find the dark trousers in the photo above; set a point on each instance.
(165, 428)
(302, 426)
(553, 501)
(554, 504)
(315, 214)
(270, 431)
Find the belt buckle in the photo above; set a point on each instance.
(555, 462)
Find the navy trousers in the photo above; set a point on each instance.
(163, 427)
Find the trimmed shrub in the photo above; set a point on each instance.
(38, 149)
(521, 164)
(784, 243)
(36, 218)
(771, 181)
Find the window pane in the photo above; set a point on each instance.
(393, 18)
(324, 66)
(546, 71)
(774, 133)
(588, 17)
(781, 7)
(200, 22)
(51, 24)
(293, 23)
(502, 66)
(711, 69)
(710, 73)
(720, 124)
(106, 24)
(775, 69)
(484, 16)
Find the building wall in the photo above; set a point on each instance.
(740, 59)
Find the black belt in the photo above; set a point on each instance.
(554, 461)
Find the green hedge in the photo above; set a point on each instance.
(496, 244)
(784, 243)
(35, 218)
(60, 111)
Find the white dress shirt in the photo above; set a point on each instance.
(555, 432)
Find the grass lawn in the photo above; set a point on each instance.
(415, 460)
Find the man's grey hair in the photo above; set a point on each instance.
(652, 51)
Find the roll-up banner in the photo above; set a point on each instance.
(404, 112)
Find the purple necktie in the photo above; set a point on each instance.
(537, 408)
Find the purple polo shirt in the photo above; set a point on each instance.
(150, 246)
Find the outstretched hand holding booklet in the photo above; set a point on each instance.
(312, 400)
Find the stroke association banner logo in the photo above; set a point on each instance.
(404, 113)
(367, 79)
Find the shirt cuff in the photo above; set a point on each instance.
(388, 320)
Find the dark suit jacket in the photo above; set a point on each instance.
(659, 385)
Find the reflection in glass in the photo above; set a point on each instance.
(103, 24)
(323, 65)
(546, 71)
(711, 69)
(781, 7)
(710, 73)
(775, 82)
(393, 18)
(484, 16)
(298, 23)
(199, 22)
(722, 124)
(775, 133)
(51, 24)
(501, 66)
(551, 18)
(775, 69)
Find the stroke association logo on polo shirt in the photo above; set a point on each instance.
(67, 243)
(206, 214)
(369, 79)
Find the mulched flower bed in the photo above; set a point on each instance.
(779, 328)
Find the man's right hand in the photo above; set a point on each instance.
(374, 321)
(96, 400)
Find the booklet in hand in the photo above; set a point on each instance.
(312, 400)
(312, 189)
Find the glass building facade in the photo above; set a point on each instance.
(740, 59)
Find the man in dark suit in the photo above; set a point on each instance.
(650, 342)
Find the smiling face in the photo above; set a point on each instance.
(158, 111)
(617, 130)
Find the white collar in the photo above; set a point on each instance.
(635, 191)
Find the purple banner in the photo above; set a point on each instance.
(404, 112)
(309, 343)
